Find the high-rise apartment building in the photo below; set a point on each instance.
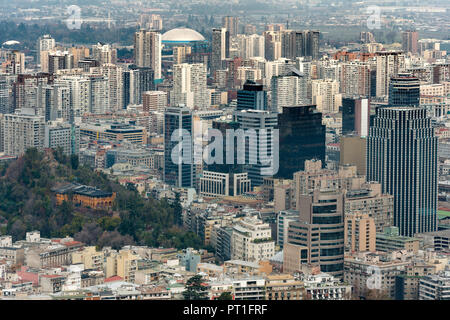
(300, 44)
(104, 53)
(58, 103)
(360, 233)
(272, 45)
(154, 101)
(147, 51)
(14, 62)
(355, 79)
(139, 80)
(180, 53)
(389, 63)
(326, 96)
(29, 92)
(80, 93)
(22, 130)
(250, 46)
(410, 41)
(99, 94)
(59, 60)
(231, 24)
(62, 135)
(369, 200)
(289, 89)
(220, 48)
(114, 74)
(189, 86)
(45, 43)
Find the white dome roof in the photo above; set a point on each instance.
(182, 35)
(10, 42)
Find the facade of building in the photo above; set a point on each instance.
(435, 287)
(189, 86)
(321, 230)
(220, 48)
(410, 41)
(355, 116)
(62, 135)
(404, 90)
(353, 152)
(85, 196)
(217, 184)
(178, 164)
(402, 156)
(302, 137)
(147, 50)
(252, 240)
(388, 65)
(114, 132)
(22, 130)
(390, 240)
(252, 96)
(260, 152)
(359, 233)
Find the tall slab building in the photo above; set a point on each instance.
(402, 156)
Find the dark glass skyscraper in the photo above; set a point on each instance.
(180, 174)
(402, 156)
(312, 44)
(404, 90)
(302, 137)
(223, 126)
(252, 96)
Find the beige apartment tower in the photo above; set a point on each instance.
(353, 152)
(359, 233)
(147, 50)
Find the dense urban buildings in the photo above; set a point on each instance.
(224, 151)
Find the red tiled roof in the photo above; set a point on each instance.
(114, 278)
(72, 243)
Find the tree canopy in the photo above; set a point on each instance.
(28, 203)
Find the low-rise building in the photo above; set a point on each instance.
(249, 289)
(374, 273)
(435, 287)
(323, 286)
(391, 240)
(284, 287)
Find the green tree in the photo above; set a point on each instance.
(177, 210)
(225, 296)
(195, 289)
(74, 161)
